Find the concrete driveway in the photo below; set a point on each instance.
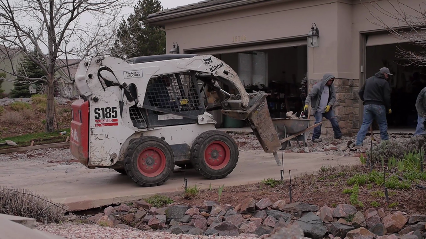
(81, 188)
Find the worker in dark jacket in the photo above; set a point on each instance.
(376, 95)
(421, 112)
(323, 97)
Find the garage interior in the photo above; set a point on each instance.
(278, 71)
(406, 83)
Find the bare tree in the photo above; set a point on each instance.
(406, 21)
(58, 30)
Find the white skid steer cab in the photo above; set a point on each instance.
(143, 116)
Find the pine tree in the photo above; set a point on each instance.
(21, 85)
(135, 37)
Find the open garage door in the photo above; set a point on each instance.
(406, 82)
(277, 69)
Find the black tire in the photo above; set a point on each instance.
(120, 170)
(149, 161)
(218, 165)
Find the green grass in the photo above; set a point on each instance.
(159, 200)
(271, 182)
(19, 106)
(191, 192)
(39, 138)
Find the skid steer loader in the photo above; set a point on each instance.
(144, 115)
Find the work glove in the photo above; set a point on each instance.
(327, 108)
(390, 111)
(306, 107)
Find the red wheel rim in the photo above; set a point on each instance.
(151, 162)
(217, 155)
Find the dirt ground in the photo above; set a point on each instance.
(324, 188)
(28, 121)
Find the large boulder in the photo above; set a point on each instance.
(359, 220)
(278, 214)
(222, 229)
(247, 205)
(416, 218)
(395, 222)
(344, 210)
(248, 227)
(339, 230)
(360, 233)
(312, 225)
(289, 231)
(263, 203)
(176, 212)
(326, 214)
(279, 205)
(236, 219)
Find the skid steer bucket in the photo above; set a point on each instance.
(260, 120)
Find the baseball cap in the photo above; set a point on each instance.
(385, 70)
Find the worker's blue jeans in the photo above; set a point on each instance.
(333, 120)
(420, 129)
(371, 112)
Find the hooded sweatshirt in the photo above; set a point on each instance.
(314, 96)
(376, 91)
(421, 103)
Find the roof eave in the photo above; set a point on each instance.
(158, 18)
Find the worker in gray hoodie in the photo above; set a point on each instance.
(322, 98)
(421, 112)
(376, 97)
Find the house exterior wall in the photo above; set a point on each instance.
(343, 26)
(7, 66)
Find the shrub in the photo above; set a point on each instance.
(354, 196)
(12, 118)
(159, 200)
(19, 106)
(191, 192)
(271, 182)
(24, 203)
(26, 114)
(39, 99)
(1, 110)
(220, 191)
(397, 150)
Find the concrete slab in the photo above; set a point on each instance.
(12, 230)
(25, 221)
(81, 188)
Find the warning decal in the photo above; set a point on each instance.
(106, 122)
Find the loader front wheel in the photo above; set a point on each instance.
(214, 154)
(149, 161)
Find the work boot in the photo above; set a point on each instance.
(338, 137)
(316, 140)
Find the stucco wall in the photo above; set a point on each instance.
(342, 24)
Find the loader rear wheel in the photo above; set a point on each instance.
(149, 161)
(214, 154)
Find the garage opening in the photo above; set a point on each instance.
(278, 71)
(406, 83)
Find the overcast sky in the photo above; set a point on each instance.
(176, 3)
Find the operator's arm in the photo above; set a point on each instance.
(420, 106)
(387, 95)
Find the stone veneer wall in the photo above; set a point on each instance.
(346, 109)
